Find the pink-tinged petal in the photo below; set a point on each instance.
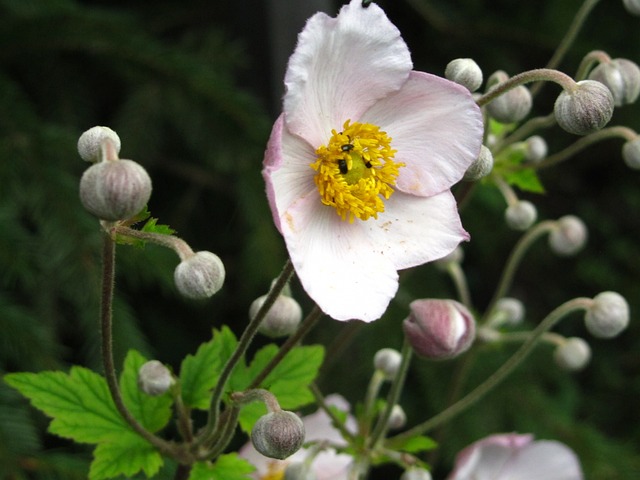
(287, 172)
(339, 266)
(340, 67)
(319, 426)
(436, 129)
(510, 456)
(416, 230)
(544, 459)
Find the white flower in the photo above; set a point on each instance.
(512, 456)
(328, 464)
(359, 165)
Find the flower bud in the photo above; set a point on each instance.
(90, 143)
(608, 315)
(481, 167)
(632, 6)
(278, 434)
(387, 360)
(585, 109)
(281, 320)
(465, 72)
(573, 355)
(568, 236)
(115, 190)
(509, 311)
(536, 148)
(415, 473)
(521, 215)
(439, 329)
(154, 378)
(398, 418)
(513, 105)
(631, 153)
(621, 77)
(199, 276)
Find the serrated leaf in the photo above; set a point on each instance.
(153, 227)
(200, 372)
(289, 381)
(126, 456)
(78, 402)
(152, 412)
(226, 467)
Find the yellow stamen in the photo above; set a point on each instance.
(355, 171)
(275, 471)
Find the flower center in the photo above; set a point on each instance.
(355, 171)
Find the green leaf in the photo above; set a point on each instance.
(289, 381)
(226, 467)
(153, 227)
(526, 180)
(78, 402)
(127, 455)
(152, 412)
(416, 444)
(199, 373)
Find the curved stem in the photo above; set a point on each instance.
(106, 325)
(536, 75)
(514, 261)
(499, 375)
(525, 130)
(591, 58)
(241, 348)
(569, 38)
(394, 395)
(373, 389)
(584, 142)
(178, 245)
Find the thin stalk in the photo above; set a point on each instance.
(335, 421)
(499, 375)
(182, 248)
(524, 131)
(514, 260)
(241, 348)
(569, 38)
(393, 396)
(106, 325)
(460, 281)
(377, 379)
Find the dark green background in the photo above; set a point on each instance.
(192, 87)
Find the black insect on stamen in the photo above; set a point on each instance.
(367, 164)
(342, 165)
(347, 147)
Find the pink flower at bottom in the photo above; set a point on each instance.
(516, 457)
(359, 166)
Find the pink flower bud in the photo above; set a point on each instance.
(439, 329)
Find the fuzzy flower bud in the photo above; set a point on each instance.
(115, 190)
(509, 311)
(90, 143)
(398, 418)
(512, 106)
(521, 215)
(154, 378)
(281, 320)
(439, 329)
(631, 153)
(387, 360)
(622, 77)
(568, 236)
(481, 167)
(465, 72)
(585, 109)
(632, 6)
(573, 355)
(415, 473)
(278, 434)
(608, 315)
(536, 148)
(199, 276)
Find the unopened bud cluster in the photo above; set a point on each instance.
(466, 72)
(200, 275)
(512, 106)
(281, 320)
(154, 378)
(622, 78)
(573, 354)
(586, 108)
(387, 361)
(521, 215)
(111, 189)
(568, 236)
(278, 434)
(608, 315)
